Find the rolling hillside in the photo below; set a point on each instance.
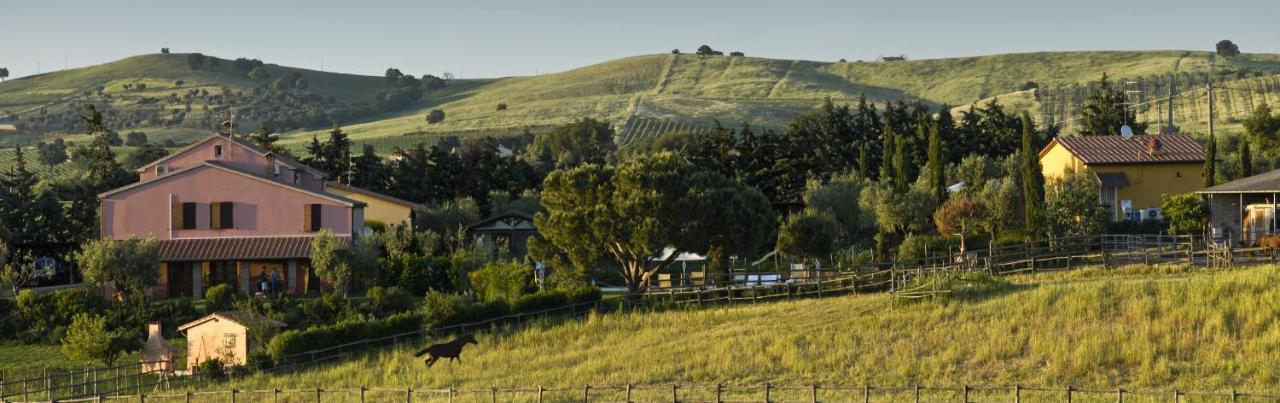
(1140, 328)
(642, 95)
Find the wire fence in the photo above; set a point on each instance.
(693, 393)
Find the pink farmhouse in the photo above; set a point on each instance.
(226, 211)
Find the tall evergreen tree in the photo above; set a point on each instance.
(1104, 112)
(1032, 178)
(1211, 162)
(265, 139)
(888, 140)
(1246, 160)
(901, 177)
(17, 198)
(937, 162)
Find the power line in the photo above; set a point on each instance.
(1135, 105)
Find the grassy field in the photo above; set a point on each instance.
(1146, 328)
(683, 89)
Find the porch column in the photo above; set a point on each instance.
(246, 281)
(197, 279)
(291, 276)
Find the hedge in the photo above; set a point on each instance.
(291, 342)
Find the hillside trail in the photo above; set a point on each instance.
(776, 84)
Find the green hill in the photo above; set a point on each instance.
(1140, 328)
(642, 95)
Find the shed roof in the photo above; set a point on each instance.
(237, 248)
(1135, 150)
(239, 318)
(1262, 183)
(511, 216)
(373, 194)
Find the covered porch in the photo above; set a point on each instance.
(266, 265)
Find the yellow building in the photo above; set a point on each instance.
(223, 336)
(1133, 173)
(379, 207)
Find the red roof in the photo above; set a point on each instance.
(1135, 150)
(242, 248)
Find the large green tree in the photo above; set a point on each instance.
(1185, 213)
(89, 339)
(585, 141)
(808, 235)
(1072, 209)
(130, 265)
(1104, 112)
(1032, 178)
(627, 213)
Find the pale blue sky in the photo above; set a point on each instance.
(500, 38)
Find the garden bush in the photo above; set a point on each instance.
(291, 342)
(502, 281)
(385, 301)
(219, 298)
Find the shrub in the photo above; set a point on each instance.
(384, 301)
(419, 275)
(219, 297)
(921, 246)
(212, 368)
(501, 281)
(502, 106)
(435, 116)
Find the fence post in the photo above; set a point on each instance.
(767, 393)
(966, 393)
(1234, 396)
(1017, 393)
(814, 396)
(188, 396)
(1106, 263)
(1069, 394)
(539, 393)
(917, 390)
(408, 394)
(628, 393)
(586, 393)
(866, 393)
(675, 393)
(362, 389)
(493, 394)
(719, 391)
(1120, 391)
(1177, 397)
(48, 385)
(142, 397)
(233, 395)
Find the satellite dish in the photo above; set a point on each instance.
(1126, 132)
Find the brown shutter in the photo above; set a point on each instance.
(215, 215)
(176, 215)
(306, 218)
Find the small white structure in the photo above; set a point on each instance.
(157, 355)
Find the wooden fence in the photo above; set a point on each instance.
(693, 393)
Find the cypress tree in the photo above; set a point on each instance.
(937, 179)
(864, 162)
(900, 164)
(886, 152)
(1246, 160)
(1210, 162)
(17, 194)
(1032, 179)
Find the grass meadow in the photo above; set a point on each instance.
(1160, 327)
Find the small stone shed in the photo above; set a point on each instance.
(222, 335)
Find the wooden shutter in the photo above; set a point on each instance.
(188, 216)
(215, 216)
(306, 218)
(228, 214)
(176, 221)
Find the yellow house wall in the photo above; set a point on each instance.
(1057, 162)
(1148, 183)
(208, 340)
(378, 209)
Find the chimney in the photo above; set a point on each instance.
(153, 329)
(1153, 146)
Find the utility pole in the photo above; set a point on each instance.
(1209, 87)
(1170, 127)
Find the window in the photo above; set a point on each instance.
(184, 216)
(229, 340)
(222, 215)
(311, 217)
(162, 169)
(217, 151)
(275, 170)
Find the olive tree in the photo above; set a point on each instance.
(130, 265)
(88, 340)
(807, 235)
(342, 263)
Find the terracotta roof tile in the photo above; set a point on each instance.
(1118, 150)
(202, 249)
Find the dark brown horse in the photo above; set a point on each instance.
(451, 350)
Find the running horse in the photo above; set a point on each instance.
(451, 350)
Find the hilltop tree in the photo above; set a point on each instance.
(164, 51)
(1226, 48)
(4, 73)
(432, 83)
(705, 50)
(1104, 112)
(1032, 178)
(392, 76)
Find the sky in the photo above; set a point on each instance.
(474, 39)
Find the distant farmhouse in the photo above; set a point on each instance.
(1133, 173)
(897, 58)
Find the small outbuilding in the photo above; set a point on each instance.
(222, 335)
(1243, 210)
(513, 227)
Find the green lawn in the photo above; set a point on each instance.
(1141, 328)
